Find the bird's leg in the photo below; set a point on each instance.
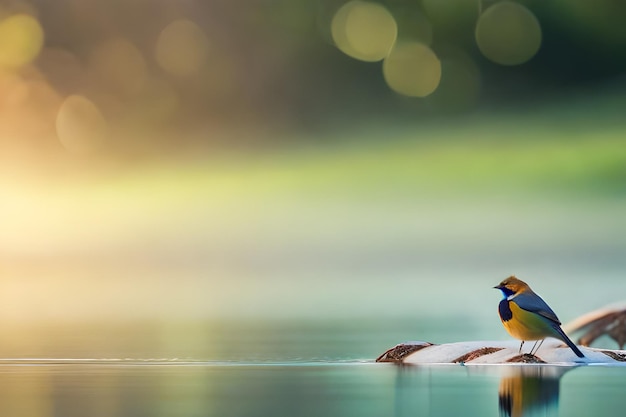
(534, 346)
(520, 347)
(539, 345)
(533, 351)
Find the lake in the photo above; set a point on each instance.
(349, 388)
(286, 368)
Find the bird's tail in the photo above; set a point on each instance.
(569, 342)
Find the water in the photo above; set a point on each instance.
(135, 388)
(287, 368)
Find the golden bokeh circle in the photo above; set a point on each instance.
(364, 30)
(508, 33)
(182, 48)
(21, 40)
(81, 127)
(412, 69)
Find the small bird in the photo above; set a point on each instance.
(527, 317)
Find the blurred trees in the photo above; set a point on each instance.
(157, 68)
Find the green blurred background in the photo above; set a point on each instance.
(288, 179)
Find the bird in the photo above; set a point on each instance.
(526, 317)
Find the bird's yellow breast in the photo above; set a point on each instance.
(526, 325)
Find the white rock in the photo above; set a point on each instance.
(552, 352)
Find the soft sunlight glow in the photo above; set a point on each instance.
(182, 48)
(21, 40)
(412, 69)
(508, 33)
(28, 108)
(364, 30)
(80, 126)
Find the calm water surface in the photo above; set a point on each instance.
(293, 368)
(355, 388)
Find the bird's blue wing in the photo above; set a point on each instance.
(532, 302)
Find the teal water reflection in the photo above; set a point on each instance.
(511, 391)
(306, 389)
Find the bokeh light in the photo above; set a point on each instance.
(182, 48)
(80, 125)
(21, 40)
(508, 33)
(412, 69)
(120, 65)
(28, 107)
(364, 30)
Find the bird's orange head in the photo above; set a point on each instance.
(512, 286)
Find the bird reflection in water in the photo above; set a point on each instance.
(530, 391)
(523, 390)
